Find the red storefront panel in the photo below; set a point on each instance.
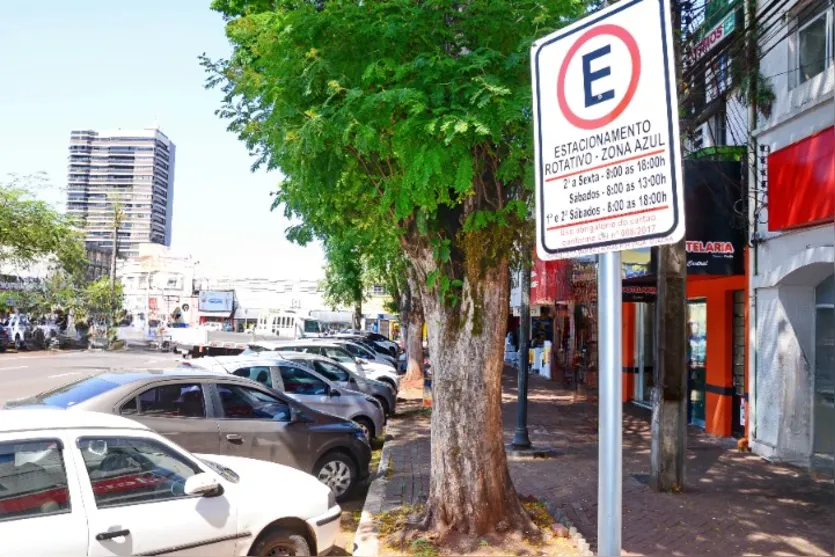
(801, 182)
(549, 281)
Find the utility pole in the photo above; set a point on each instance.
(520, 436)
(669, 396)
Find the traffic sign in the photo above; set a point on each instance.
(608, 160)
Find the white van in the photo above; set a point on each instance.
(287, 325)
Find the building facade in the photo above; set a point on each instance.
(132, 170)
(158, 286)
(791, 272)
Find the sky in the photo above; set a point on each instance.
(100, 64)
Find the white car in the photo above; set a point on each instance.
(337, 352)
(86, 483)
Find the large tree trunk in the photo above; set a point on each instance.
(668, 456)
(414, 333)
(669, 397)
(470, 490)
(357, 317)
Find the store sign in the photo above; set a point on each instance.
(639, 293)
(711, 39)
(715, 227)
(212, 300)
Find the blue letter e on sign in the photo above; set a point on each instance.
(590, 77)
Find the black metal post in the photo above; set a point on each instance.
(520, 436)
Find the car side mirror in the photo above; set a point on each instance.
(334, 392)
(201, 484)
(296, 415)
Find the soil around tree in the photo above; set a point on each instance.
(402, 532)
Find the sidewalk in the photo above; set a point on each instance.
(734, 504)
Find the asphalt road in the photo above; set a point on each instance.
(27, 373)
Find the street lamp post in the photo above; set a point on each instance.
(520, 436)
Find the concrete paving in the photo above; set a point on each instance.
(734, 503)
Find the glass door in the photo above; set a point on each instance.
(644, 352)
(697, 357)
(824, 401)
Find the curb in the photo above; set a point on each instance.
(573, 533)
(365, 539)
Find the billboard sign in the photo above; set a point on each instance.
(219, 301)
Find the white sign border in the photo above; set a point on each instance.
(676, 232)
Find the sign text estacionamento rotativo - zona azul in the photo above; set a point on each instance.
(610, 144)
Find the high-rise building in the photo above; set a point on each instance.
(129, 169)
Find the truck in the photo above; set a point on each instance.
(194, 342)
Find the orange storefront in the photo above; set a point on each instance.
(717, 309)
(717, 324)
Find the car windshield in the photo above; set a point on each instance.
(311, 326)
(359, 350)
(79, 391)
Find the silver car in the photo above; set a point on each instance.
(303, 384)
(344, 377)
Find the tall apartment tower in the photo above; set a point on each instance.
(132, 167)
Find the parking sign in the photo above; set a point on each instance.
(608, 161)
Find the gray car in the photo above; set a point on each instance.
(303, 384)
(344, 377)
(224, 414)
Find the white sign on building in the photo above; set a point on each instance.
(215, 300)
(608, 161)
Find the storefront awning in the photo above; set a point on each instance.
(247, 313)
(324, 316)
(214, 314)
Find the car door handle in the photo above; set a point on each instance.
(234, 438)
(110, 535)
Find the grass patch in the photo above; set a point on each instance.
(394, 520)
(423, 548)
(539, 512)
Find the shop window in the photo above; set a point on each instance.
(813, 43)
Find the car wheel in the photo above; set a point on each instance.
(384, 403)
(367, 426)
(338, 472)
(18, 342)
(280, 541)
(391, 384)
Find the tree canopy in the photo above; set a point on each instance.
(31, 229)
(412, 117)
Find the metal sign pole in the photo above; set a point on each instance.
(609, 342)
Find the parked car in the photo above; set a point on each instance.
(302, 384)
(338, 353)
(20, 331)
(87, 483)
(360, 350)
(379, 342)
(383, 342)
(344, 377)
(5, 341)
(219, 413)
(379, 352)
